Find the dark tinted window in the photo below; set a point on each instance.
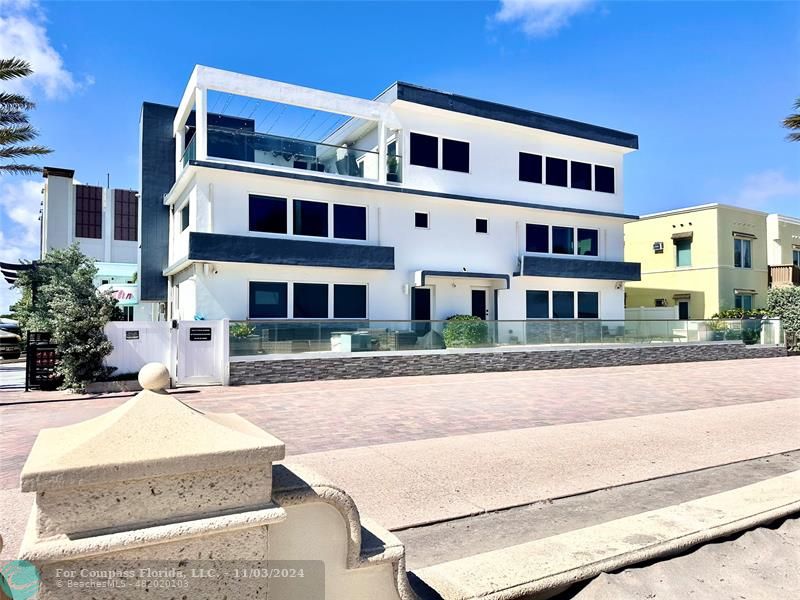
(563, 240)
(267, 300)
(184, 217)
(310, 301)
(126, 215)
(424, 150)
(563, 305)
(588, 305)
(88, 211)
(349, 222)
(267, 214)
(530, 167)
(587, 242)
(421, 220)
(581, 175)
(536, 304)
(604, 179)
(310, 218)
(349, 301)
(455, 155)
(537, 238)
(481, 225)
(556, 171)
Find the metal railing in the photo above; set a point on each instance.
(248, 338)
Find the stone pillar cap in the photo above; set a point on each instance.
(153, 434)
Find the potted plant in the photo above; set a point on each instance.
(244, 340)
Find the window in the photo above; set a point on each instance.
(481, 225)
(421, 220)
(268, 300)
(604, 179)
(349, 301)
(683, 253)
(88, 211)
(424, 150)
(556, 171)
(267, 214)
(310, 218)
(310, 301)
(349, 222)
(185, 217)
(537, 305)
(581, 175)
(796, 258)
(744, 301)
(588, 305)
(530, 167)
(455, 155)
(563, 305)
(126, 215)
(587, 242)
(537, 238)
(742, 256)
(563, 240)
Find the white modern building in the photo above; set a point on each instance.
(105, 224)
(420, 205)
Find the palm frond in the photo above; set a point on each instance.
(17, 169)
(16, 151)
(12, 117)
(11, 68)
(10, 101)
(16, 134)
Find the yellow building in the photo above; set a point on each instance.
(702, 259)
(783, 250)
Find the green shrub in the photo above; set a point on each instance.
(241, 330)
(738, 313)
(465, 331)
(784, 303)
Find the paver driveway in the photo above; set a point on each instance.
(328, 415)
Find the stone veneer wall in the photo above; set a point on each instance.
(360, 366)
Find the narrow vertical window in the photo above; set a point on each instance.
(604, 179)
(588, 305)
(587, 242)
(537, 305)
(563, 305)
(563, 240)
(310, 218)
(683, 253)
(742, 255)
(184, 217)
(581, 175)
(126, 215)
(88, 211)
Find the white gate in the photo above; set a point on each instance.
(137, 343)
(202, 353)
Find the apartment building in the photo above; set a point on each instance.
(105, 224)
(783, 250)
(419, 204)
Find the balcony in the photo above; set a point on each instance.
(784, 275)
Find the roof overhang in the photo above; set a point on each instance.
(421, 277)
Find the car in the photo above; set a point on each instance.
(10, 344)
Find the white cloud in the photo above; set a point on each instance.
(20, 201)
(540, 18)
(23, 34)
(767, 190)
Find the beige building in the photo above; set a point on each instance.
(783, 250)
(702, 259)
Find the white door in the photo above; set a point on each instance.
(200, 357)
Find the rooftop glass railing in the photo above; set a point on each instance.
(248, 338)
(294, 153)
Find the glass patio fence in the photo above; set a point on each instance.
(250, 338)
(294, 153)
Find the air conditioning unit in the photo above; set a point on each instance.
(658, 247)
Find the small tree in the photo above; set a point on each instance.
(68, 306)
(784, 303)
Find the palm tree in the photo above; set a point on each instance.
(15, 131)
(793, 122)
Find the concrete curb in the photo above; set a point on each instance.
(544, 567)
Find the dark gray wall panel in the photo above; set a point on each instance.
(549, 266)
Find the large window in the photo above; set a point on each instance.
(742, 255)
(455, 155)
(88, 211)
(683, 253)
(587, 242)
(556, 171)
(581, 175)
(424, 150)
(537, 238)
(349, 301)
(604, 179)
(310, 301)
(310, 218)
(530, 167)
(349, 222)
(744, 301)
(126, 215)
(268, 300)
(563, 305)
(537, 305)
(588, 305)
(267, 214)
(563, 240)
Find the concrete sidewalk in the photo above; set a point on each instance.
(409, 484)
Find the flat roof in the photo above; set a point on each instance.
(698, 207)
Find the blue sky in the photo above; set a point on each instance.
(704, 85)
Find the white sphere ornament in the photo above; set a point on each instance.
(154, 376)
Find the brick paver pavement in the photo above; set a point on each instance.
(328, 415)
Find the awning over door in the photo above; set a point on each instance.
(421, 277)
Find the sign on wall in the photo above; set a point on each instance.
(200, 334)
